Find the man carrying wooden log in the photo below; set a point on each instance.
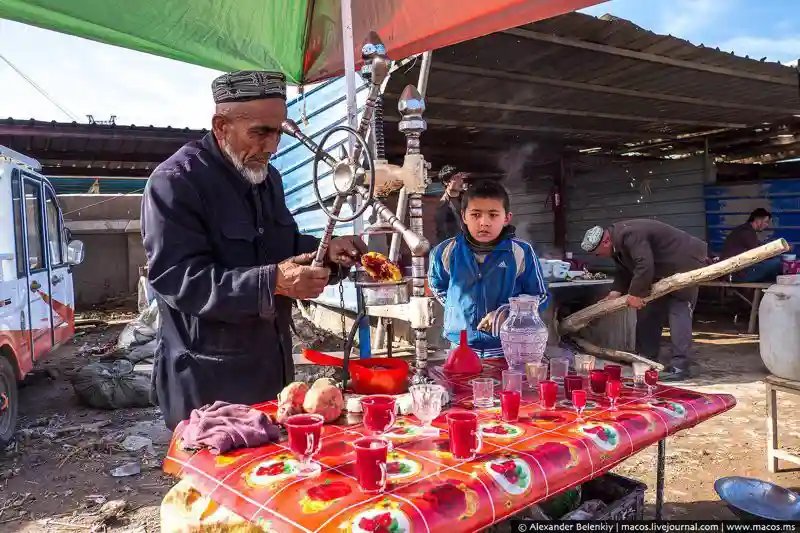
(645, 251)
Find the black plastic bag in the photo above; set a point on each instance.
(112, 385)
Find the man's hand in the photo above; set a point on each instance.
(346, 250)
(635, 302)
(613, 295)
(296, 279)
(485, 324)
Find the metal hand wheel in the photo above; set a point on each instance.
(347, 176)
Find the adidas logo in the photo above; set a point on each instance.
(502, 264)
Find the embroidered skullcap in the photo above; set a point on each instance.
(447, 172)
(246, 85)
(592, 238)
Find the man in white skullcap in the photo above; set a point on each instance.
(645, 251)
(226, 258)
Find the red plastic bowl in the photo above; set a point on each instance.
(379, 376)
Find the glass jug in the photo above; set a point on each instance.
(524, 333)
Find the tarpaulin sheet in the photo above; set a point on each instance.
(301, 38)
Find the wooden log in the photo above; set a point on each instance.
(614, 355)
(577, 321)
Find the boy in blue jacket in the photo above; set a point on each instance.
(476, 272)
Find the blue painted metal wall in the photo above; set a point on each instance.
(318, 111)
(728, 206)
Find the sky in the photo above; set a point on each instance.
(88, 78)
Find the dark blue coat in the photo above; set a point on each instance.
(213, 241)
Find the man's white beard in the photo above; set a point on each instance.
(252, 175)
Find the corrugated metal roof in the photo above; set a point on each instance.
(583, 81)
(564, 84)
(94, 149)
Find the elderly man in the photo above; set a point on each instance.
(225, 256)
(645, 251)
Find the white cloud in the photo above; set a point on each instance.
(785, 50)
(685, 18)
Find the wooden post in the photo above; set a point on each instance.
(772, 428)
(751, 328)
(559, 208)
(577, 321)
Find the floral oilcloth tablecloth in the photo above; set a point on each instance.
(520, 464)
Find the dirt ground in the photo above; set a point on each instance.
(59, 476)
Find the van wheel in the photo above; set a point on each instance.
(8, 402)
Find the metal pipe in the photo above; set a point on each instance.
(385, 325)
(660, 464)
(424, 72)
(402, 208)
(322, 249)
(418, 244)
(377, 65)
(418, 273)
(378, 131)
(418, 277)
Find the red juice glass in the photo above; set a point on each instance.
(613, 389)
(651, 379)
(597, 381)
(465, 439)
(547, 393)
(571, 383)
(614, 372)
(379, 413)
(579, 401)
(509, 405)
(371, 454)
(305, 440)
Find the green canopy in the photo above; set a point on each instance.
(301, 38)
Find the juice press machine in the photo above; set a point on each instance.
(363, 177)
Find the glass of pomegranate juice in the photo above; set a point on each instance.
(371, 456)
(509, 405)
(379, 413)
(305, 441)
(465, 439)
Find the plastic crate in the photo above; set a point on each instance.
(623, 496)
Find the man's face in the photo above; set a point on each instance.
(760, 224)
(456, 184)
(248, 133)
(605, 249)
(485, 218)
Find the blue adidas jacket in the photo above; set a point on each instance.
(469, 290)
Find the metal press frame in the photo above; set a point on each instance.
(356, 181)
(357, 185)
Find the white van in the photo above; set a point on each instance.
(37, 302)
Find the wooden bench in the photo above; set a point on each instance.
(774, 453)
(758, 288)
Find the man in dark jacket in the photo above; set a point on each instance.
(744, 238)
(448, 214)
(644, 252)
(225, 256)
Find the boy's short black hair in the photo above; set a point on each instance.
(759, 213)
(485, 189)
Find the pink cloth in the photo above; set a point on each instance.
(222, 427)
